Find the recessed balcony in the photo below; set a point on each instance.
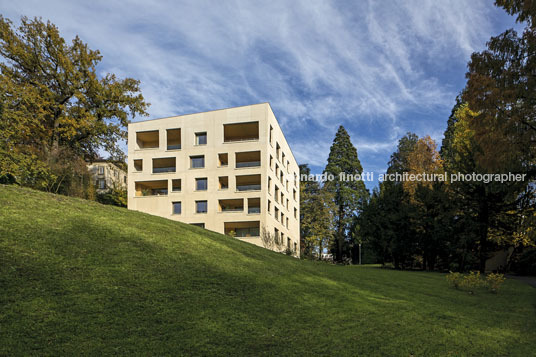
(248, 159)
(241, 132)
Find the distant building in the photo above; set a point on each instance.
(229, 170)
(106, 175)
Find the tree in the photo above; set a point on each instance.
(316, 215)
(349, 195)
(54, 105)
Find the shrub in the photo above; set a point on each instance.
(471, 281)
(454, 279)
(494, 282)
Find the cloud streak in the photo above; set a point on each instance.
(378, 68)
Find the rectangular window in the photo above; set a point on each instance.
(254, 205)
(283, 159)
(248, 183)
(241, 132)
(147, 139)
(269, 184)
(201, 184)
(151, 188)
(102, 184)
(295, 212)
(248, 159)
(271, 134)
(277, 151)
(271, 162)
(176, 185)
(294, 194)
(167, 164)
(276, 194)
(232, 205)
(201, 206)
(138, 165)
(286, 222)
(269, 208)
(223, 182)
(276, 213)
(177, 208)
(223, 160)
(173, 139)
(201, 138)
(197, 162)
(201, 225)
(101, 170)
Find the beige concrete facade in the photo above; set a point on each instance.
(234, 163)
(107, 175)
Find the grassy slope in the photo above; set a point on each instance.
(79, 277)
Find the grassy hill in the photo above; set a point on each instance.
(77, 277)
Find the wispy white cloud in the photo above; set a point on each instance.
(372, 66)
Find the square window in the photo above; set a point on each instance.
(201, 184)
(201, 206)
(138, 164)
(201, 138)
(197, 162)
(177, 208)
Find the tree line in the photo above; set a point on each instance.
(446, 225)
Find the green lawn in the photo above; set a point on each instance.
(78, 277)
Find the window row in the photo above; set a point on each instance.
(150, 139)
(169, 164)
(225, 205)
(160, 187)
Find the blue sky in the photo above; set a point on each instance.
(380, 68)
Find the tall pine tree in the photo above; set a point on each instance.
(349, 196)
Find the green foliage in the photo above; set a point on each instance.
(454, 279)
(81, 278)
(349, 196)
(472, 282)
(524, 263)
(316, 216)
(56, 112)
(494, 282)
(115, 195)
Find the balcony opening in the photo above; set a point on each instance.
(197, 162)
(138, 165)
(248, 159)
(166, 164)
(173, 139)
(201, 138)
(201, 184)
(223, 160)
(176, 185)
(241, 132)
(248, 183)
(236, 205)
(223, 182)
(147, 139)
(254, 205)
(151, 188)
(242, 229)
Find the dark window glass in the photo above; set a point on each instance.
(201, 184)
(201, 206)
(198, 161)
(177, 208)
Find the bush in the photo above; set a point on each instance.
(472, 281)
(494, 282)
(454, 279)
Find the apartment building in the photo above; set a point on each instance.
(106, 175)
(230, 171)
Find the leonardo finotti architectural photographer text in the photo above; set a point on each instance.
(422, 177)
